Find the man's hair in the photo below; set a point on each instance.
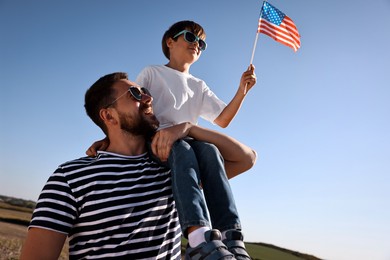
(191, 26)
(99, 95)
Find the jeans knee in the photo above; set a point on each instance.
(210, 151)
(179, 148)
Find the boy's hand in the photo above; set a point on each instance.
(248, 79)
(100, 145)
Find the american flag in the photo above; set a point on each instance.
(278, 26)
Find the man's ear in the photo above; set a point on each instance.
(107, 115)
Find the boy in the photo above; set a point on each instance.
(180, 97)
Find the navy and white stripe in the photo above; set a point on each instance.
(112, 207)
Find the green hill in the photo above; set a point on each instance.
(263, 251)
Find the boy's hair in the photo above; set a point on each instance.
(191, 26)
(99, 95)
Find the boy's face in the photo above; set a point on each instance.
(183, 51)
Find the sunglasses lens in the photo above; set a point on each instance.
(146, 92)
(202, 45)
(136, 93)
(189, 37)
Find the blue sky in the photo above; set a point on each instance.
(318, 118)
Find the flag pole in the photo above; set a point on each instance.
(254, 46)
(255, 43)
(257, 33)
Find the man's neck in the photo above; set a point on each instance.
(127, 146)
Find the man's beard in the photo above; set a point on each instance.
(145, 125)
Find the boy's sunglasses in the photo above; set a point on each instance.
(191, 38)
(135, 92)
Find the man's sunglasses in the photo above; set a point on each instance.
(191, 38)
(135, 92)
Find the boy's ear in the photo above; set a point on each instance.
(168, 42)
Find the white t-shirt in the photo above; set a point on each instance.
(179, 97)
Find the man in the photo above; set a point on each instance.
(119, 204)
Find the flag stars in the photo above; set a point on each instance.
(272, 14)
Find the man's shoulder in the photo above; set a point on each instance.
(79, 162)
(102, 159)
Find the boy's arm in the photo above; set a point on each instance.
(100, 145)
(248, 80)
(42, 244)
(238, 157)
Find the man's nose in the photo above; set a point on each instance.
(145, 98)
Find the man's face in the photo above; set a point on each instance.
(145, 125)
(136, 117)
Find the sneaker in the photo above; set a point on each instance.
(212, 249)
(235, 244)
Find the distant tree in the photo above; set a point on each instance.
(18, 202)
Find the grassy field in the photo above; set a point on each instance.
(13, 230)
(11, 241)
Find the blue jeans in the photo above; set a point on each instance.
(194, 163)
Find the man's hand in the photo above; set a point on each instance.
(164, 139)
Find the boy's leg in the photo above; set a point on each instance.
(188, 196)
(219, 197)
(216, 187)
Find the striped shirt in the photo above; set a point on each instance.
(112, 207)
